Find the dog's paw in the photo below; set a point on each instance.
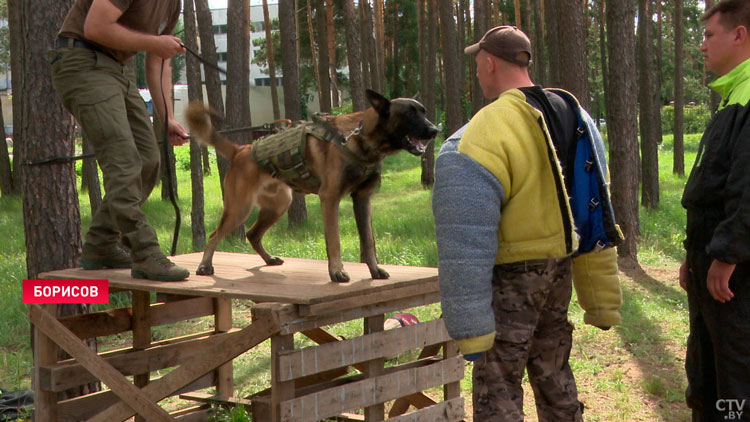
(274, 261)
(205, 270)
(339, 276)
(379, 274)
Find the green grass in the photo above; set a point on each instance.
(629, 373)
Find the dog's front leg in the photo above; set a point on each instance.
(363, 217)
(330, 207)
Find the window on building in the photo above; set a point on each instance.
(267, 81)
(222, 56)
(259, 26)
(220, 29)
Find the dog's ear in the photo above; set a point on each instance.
(381, 104)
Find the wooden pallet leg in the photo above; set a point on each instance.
(374, 368)
(280, 391)
(222, 324)
(141, 333)
(45, 353)
(451, 390)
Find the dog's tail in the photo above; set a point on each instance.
(199, 121)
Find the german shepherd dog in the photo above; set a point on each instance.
(385, 128)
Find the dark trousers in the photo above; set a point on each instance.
(718, 353)
(102, 95)
(530, 300)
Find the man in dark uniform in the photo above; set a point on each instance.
(716, 271)
(99, 89)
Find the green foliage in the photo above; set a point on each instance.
(696, 117)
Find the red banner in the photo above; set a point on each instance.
(66, 291)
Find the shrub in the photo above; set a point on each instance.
(695, 121)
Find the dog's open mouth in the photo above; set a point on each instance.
(417, 146)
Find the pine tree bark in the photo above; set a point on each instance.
(195, 93)
(481, 25)
(571, 32)
(331, 32)
(212, 78)
(678, 167)
(554, 46)
(538, 64)
(649, 141)
(238, 84)
(324, 67)
(379, 43)
(52, 220)
(354, 56)
(622, 123)
(364, 39)
(428, 87)
(451, 60)
(271, 64)
(292, 101)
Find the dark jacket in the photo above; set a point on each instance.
(717, 193)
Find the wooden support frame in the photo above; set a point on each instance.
(305, 385)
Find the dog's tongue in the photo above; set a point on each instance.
(419, 143)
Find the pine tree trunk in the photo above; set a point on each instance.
(238, 84)
(537, 44)
(195, 93)
(323, 64)
(572, 40)
(331, 32)
(554, 46)
(52, 220)
(481, 10)
(313, 55)
(679, 97)
(649, 141)
(380, 43)
(212, 78)
(354, 57)
(271, 64)
(451, 61)
(364, 45)
(622, 123)
(292, 104)
(428, 87)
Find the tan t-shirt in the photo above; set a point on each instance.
(155, 17)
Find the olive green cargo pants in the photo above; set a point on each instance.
(102, 95)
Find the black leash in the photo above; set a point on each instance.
(169, 168)
(204, 61)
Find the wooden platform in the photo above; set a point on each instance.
(295, 298)
(245, 276)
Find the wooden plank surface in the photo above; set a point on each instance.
(245, 276)
(299, 363)
(447, 411)
(369, 391)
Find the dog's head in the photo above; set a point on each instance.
(403, 123)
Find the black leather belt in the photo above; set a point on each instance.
(65, 42)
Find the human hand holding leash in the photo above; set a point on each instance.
(166, 46)
(177, 133)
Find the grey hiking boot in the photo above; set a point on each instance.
(158, 267)
(94, 260)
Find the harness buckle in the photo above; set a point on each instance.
(589, 164)
(593, 204)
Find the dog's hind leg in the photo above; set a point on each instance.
(272, 207)
(363, 217)
(231, 218)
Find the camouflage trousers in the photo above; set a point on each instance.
(530, 300)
